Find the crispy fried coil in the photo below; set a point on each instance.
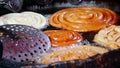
(83, 19)
(63, 37)
(107, 60)
(109, 37)
(70, 53)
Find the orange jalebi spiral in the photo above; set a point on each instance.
(63, 37)
(83, 19)
(71, 53)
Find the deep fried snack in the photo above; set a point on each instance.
(33, 19)
(83, 19)
(70, 53)
(109, 37)
(63, 37)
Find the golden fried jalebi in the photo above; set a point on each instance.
(109, 37)
(63, 37)
(83, 19)
(71, 53)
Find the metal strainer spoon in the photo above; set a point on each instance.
(23, 43)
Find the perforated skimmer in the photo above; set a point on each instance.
(23, 43)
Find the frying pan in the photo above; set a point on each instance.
(107, 60)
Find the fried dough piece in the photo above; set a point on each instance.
(29, 18)
(109, 37)
(71, 53)
(63, 37)
(83, 19)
